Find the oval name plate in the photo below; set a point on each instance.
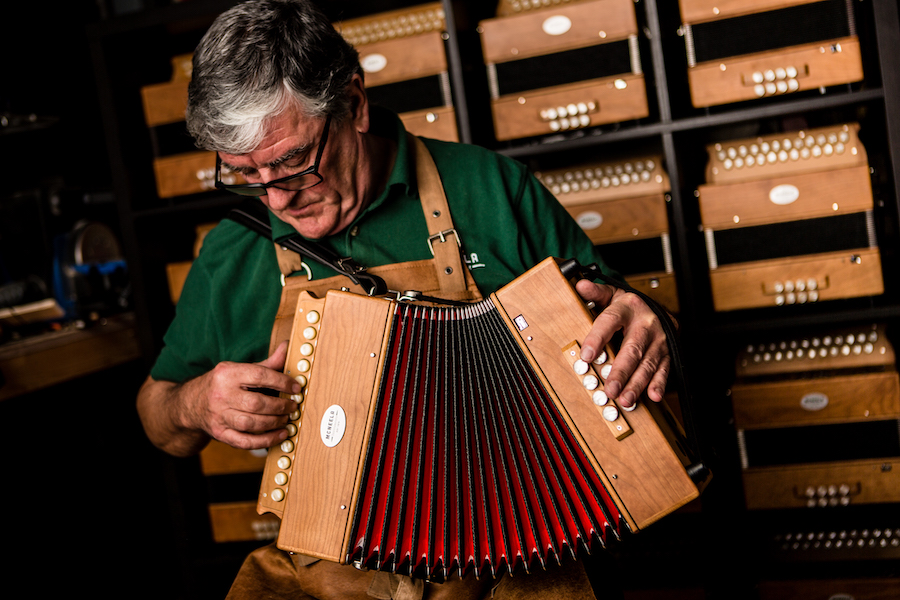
(814, 401)
(589, 219)
(783, 195)
(557, 25)
(333, 426)
(372, 63)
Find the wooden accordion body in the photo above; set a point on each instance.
(436, 439)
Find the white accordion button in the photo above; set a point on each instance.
(302, 380)
(591, 382)
(580, 367)
(291, 429)
(610, 413)
(312, 317)
(278, 494)
(306, 349)
(601, 359)
(287, 446)
(600, 398)
(280, 478)
(284, 462)
(310, 333)
(303, 365)
(604, 371)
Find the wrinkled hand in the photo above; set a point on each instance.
(642, 362)
(226, 402)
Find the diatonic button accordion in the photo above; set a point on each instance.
(439, 439)
(817, 416)
(561, 68)
(739, 51)
(789, 219)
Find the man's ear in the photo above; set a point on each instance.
(359, 104)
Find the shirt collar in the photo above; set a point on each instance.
(402, 180)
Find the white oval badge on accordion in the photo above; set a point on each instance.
(373, 63)
(814, 401)
(784, 194)
(557, 25)
(333, 426)
(589, 219)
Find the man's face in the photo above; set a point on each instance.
(290, 146)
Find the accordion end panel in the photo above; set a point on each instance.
(645, 473)
(323, 458)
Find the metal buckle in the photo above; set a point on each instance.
(442, 236)
(303, 267)
(348, 265)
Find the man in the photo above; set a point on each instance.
(279, 95)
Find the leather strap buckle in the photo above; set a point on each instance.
(442, 236)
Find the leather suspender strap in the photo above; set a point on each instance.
(443, 239)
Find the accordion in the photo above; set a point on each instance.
(817, 415)
(563, 68)
(789, 219)
(438, 439)
(739, 51)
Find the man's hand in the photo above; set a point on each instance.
(642, 362)
(226, 404)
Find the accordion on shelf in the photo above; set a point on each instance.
(788, 219)
(564, 67)
(817, 415)
(405, 62)
(622, 207)
(758, 48)
(179, 168)
(439, 439)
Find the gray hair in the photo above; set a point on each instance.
(259, 59)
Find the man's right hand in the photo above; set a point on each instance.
(229, 403)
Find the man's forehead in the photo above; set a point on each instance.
(287, 135)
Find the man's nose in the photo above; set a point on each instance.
(278, 199)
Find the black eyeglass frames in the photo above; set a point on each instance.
(294, 183)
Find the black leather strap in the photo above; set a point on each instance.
(253, 218)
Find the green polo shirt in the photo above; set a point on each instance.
(506, 219)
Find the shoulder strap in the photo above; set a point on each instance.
(443, 239)
(373, 284)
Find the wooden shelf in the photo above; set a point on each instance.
(44, 360)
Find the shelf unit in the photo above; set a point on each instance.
(157, 231)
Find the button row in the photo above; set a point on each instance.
(811, 348)
(798, 298)
(301, 375)
(595, 178)
(405, 25)
(838, 540)
(575, 122)
(523, 5)
(803, 147)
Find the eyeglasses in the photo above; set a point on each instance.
(293, 183)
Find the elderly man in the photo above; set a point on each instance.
(280, 96)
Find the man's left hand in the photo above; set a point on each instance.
(642, 362)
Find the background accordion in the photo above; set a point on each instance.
(435, 439)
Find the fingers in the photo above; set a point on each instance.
(642, 362)
(243, 403)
